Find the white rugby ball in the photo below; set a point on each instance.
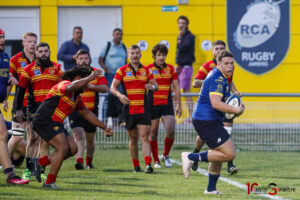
(233, 101)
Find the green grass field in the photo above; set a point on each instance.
(113, 179)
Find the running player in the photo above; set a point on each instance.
(5, 80)
(80, 127)
(161, 103)
(136, 80)
(217, 46)
(38, 78)
(17, 65)
(62, 99)
(207, 120)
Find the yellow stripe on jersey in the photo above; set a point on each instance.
(89, 105)
(12, 65)
(41, 92)
(136, 102)
(135, 91)
(68, 100)
(160, 96)
(217, 93)
(203, 70)
(163, 87)
(60, 114)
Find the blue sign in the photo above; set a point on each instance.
(258, 33)
(169, 8)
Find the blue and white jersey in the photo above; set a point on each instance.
(215, 83)
(4, 75)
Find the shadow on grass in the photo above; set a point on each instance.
(117, 170)
(113, 184)
(89, 191)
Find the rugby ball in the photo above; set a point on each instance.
(233, 101)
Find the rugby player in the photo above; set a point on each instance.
(38, 77)
(217, 46)
(5, 80)
(161, 103)
(80, 127)
(17, 64)
(62, 99)
(136, 80)
(207, 120)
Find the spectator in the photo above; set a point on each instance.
(113, 56)
(185, 57)
(68, 50)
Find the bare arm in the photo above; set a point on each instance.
(92, 118)
(218, 104)
(152, 85)
(103, 65)
(176, 88)
(114, 90)
(82, 83)
(234, 90)
(197, 83)
(103, 88)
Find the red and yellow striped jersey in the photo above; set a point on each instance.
(89, 95)
(17, 63)
(66, 103)
(206, 68)
(164, 77)
(134, 84)
(40, 81)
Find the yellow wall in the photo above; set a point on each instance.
(143, 20)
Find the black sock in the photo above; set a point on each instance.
(230, 164)
(196, 150)
(43, 170)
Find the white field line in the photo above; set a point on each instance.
(231, 182)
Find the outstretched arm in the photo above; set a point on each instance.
(92, 118)
(78, 85)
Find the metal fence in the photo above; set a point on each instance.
(271, 122)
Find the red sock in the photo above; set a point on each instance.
(147, 160)
(154, 150)
(136, 162)
(79, 160)
(44, 161)
(88, 160)
(51, 178)
(168, 145)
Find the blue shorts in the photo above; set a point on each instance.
(212, 132)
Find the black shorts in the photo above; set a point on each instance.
(212, 132)
(31, 109)
(131, 121)
(161, 110)
(227, 120)
(48, 129)
(76, 120)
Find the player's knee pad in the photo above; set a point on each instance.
(18, 131)
(228, 129)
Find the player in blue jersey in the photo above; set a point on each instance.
(5, 80)
(207, 120)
